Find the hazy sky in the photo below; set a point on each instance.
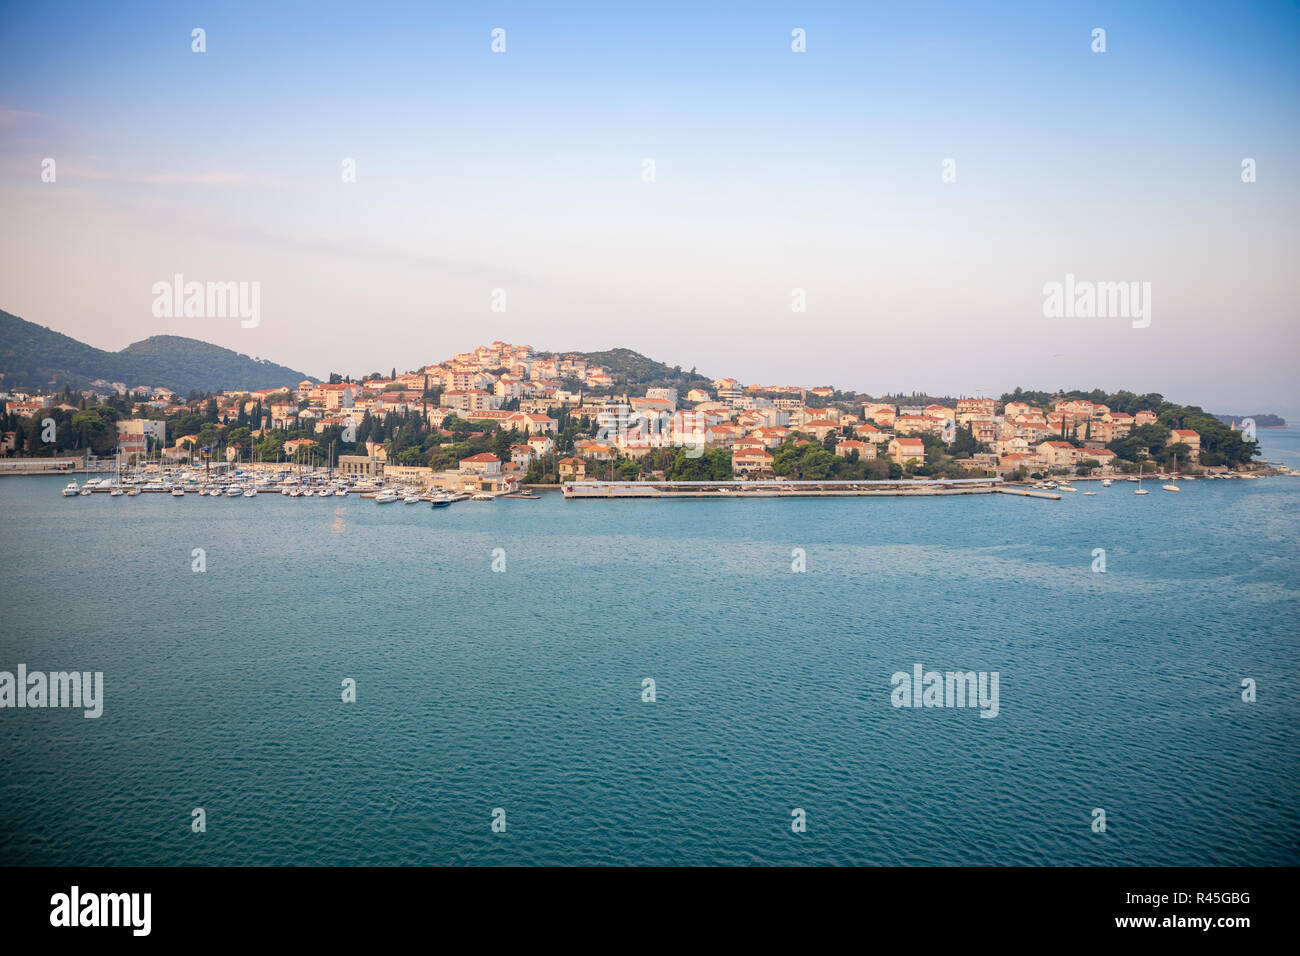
(774, 170)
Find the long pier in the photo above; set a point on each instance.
(790, 489)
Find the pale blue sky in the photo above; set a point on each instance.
(775, 170)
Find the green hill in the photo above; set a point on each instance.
(632, 369)
(32, 356)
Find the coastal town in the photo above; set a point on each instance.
(503, 418)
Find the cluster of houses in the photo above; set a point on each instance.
(748, 422)
(753, 422)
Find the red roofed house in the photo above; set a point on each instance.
(572, 468)
(1058, 454)
(1185, 436)
(865, 450)
(903, 450)
(750, 460)
(486, 465)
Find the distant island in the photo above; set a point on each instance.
(1261, 420)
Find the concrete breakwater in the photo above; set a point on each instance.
(790, 489)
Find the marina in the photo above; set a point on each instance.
(182, 483)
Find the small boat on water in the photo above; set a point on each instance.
(250, 491)
(133, 492)
(340, 492)
(323, 493)
(1090, 493)
(115, 492)
(234, 491)
(441, 501)
(1140, 490)
(178, 492)
(411, 500)
(481, 496)
(1106, 482)
(70, 490)
(85, 491)
(1173, 482)
(385, 497)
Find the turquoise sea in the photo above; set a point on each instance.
(522, 690)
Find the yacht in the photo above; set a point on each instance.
(1105, 482)
(1173, 482)
(234, 491)
(115, 492)
(1140, 490)
(323, 493)
(442, 500)
(411, 500)
(481, 496)
(250, 491)
(132, 492)
(340, 492)
(85, 491)
(386, 497)
(178, 492)
(70, 489)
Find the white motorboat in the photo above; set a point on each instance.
(250, 491)
(323, 493)
(178, 492)
(115, 492)
(133, 492)
(411, 500)
(1087, 494)
(234, 491)
(385, 497)
(481, 496)
(70, 489)
(1106, 482)
(1171, 487)
(340, 492)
